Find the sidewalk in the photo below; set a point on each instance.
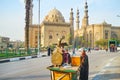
(43, 54)
(111, 71)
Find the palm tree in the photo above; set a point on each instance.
(27, 18)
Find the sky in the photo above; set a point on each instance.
(12, 13)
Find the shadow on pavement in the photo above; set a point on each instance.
(111, 76)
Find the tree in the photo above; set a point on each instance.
(69, 38)
(27, 17)
(102, 43)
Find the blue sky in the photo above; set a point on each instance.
(12, 13)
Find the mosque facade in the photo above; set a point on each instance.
(90, 33)
(54, 26)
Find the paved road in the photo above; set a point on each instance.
(35, 69)
(98, 60)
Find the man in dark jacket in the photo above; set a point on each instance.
(49, 51)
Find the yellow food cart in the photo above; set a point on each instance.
(66, 72)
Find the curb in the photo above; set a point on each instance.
(20, 58)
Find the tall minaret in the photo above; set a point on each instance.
(85, 21)
(77, 20)
(71, 26)
(71, 18)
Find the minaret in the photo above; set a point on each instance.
(71, 18)
(77, 20)
(85, 21)
(71, 26)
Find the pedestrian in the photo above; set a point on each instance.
(66, 58)
(106, 49)
(89, 50)
(49, 51)
(73, 51)
(84, 67)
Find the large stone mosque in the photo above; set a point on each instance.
(54, 26)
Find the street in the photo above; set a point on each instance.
(35, 69)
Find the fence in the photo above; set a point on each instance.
(10, 53)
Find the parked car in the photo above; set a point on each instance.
(96, 48)
(82, 48)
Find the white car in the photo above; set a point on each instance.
(81, 49)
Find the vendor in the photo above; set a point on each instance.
(66, 57)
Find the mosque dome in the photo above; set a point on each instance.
(54, 16)
(104, 22)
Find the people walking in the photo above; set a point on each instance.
(89, 50)
(49, 51)
(84, 67)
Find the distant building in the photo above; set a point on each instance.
(16, 44)
(4, 42)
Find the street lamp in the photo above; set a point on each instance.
(38, 53)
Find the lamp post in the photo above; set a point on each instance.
(38, 53)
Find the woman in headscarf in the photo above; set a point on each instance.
(84, 67)
(66, 57)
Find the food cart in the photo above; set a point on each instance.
(66, 72)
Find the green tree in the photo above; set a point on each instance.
(69, 38)
(102, 43)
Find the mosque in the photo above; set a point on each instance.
(90, 33)
(54, 26)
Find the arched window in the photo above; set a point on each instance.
(106, 34)
(63, 37)
(50, 36)
(56, 20)
(114, 35)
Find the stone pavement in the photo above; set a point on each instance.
(111, 71)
